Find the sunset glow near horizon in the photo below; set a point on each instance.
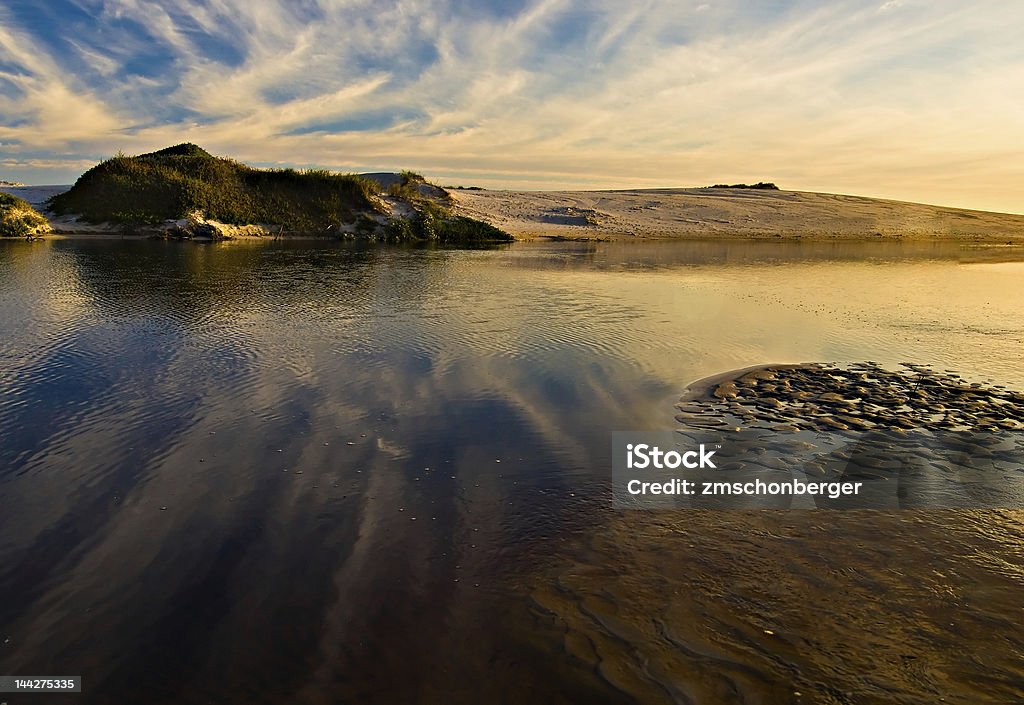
(904, 99)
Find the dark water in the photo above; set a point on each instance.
(312, 473)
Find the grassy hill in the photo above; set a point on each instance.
(19, 219)
(178, 182)
(175, 182)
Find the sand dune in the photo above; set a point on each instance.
(705, 212)
(685, 213)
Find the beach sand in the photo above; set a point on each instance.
(711, 213)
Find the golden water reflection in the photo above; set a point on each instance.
(311, 473)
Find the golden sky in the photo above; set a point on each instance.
(902, 99)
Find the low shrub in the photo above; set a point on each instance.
(19, 219)
(766, 185)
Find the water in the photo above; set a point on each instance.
(308, 472)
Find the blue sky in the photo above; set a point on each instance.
(908, 99)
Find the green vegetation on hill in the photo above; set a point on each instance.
(184, 181)
(408, 185)
(175, 182)
(433, 223)
(19, 219)
(766, 185)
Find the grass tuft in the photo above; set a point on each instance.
(19, 219)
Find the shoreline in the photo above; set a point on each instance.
(662, 215)
(979, 244)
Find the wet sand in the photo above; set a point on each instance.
(834, 608)
(860, 396)
(838, 608)
(911, 438)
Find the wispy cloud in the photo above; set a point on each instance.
(904, 99)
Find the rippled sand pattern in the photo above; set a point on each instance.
(698, 606)
(862, 397)
(911, 438)
(844, 608)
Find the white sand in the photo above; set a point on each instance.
(697, 213)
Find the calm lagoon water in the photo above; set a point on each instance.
(315, 473)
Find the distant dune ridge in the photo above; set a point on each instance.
(726, 212)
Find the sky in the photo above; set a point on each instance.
(917, 100)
